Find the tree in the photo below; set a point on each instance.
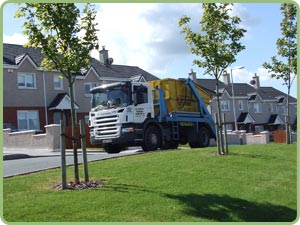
(285, 67)
(216, 44)
(65, 38)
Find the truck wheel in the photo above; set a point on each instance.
(201, 140)
(110, 149)
(204, 137)
(151, 139)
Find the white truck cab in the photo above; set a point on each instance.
(117, 108)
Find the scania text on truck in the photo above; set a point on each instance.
(157, 114)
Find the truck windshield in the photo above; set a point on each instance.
(111, 97)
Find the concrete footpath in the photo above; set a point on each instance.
(24, 161)
(22, 153)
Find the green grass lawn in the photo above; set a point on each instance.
(253, 183)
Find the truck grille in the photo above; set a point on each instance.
(106, 126)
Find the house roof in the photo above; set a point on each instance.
(209, 85)
(245, 118)
(13, 55)
(120, 71)
(244, 90)
(62, 101)
(275, 120)
(252, 97)
(240, 89)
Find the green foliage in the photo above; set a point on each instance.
(255, 183)
(64, 38)
(284, 64)
(217, 43)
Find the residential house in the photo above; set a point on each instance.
(34, 97)
(249, 107)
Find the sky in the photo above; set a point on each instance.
(147, 35)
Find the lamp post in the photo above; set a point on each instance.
(233, 96)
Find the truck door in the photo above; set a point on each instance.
(142, 106)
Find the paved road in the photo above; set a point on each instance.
(24, 163)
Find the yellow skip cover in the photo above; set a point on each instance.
(178, 95)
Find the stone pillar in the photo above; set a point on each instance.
(53, 136)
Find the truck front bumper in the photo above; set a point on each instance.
(128, 137)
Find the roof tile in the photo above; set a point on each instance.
(13, 54)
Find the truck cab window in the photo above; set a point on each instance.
(141, 93)
(112, 97)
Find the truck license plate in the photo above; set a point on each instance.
(107, 141)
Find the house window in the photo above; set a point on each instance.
(87, 88)
(86, 119)
(259, 128)
(257, 108)
(28, 120)
(225, 106)
(241, 105)
(56, 117)
(271, 108)
(58, 82)
(284, 110)
(26, 81)
(228, 127)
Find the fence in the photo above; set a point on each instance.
(29, 139)
(49, 141)
(69, 143)
(242, 138)
(280, 136)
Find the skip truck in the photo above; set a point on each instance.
(157, 114)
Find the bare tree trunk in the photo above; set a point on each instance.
(220, 129)
(217, 133)
(83, 147)
(287, 122)
(225, 134)
(63, 154)
(74, 139)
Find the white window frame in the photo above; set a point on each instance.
(57, 79)
(225, 106)
(26, 77)
(257, 107)
(241, 105)
(27, 118)
(91, 84)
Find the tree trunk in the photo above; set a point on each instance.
(287, 124)
(220, 130)
(74, 138)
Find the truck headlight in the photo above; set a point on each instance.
(127, 130)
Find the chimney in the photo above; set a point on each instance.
(103, 55)
(255, 81)
(226, 78)
(192, 75)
